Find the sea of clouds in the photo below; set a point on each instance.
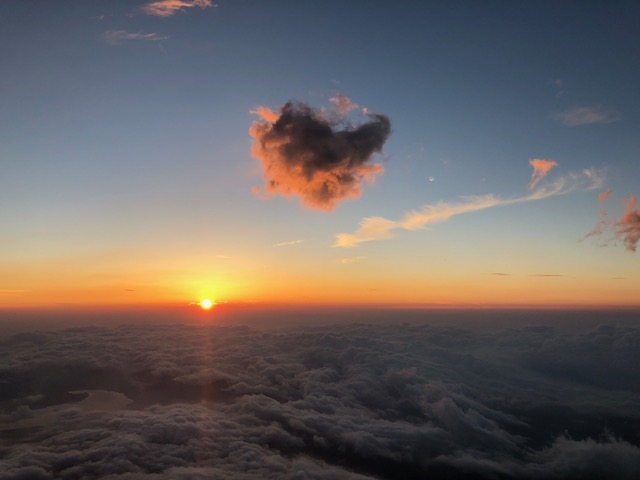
(342, 401)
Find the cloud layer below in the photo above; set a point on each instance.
(338, 402)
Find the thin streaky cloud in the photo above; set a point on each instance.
(380, 228)
(600, 227)
(441, 211)
(546, 275)
(289, 243)
(499, 274)
(352, 259)
(166, 8)
(117, 37)
(584, 115)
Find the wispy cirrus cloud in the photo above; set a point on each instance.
(600, 227)
(585, 115)
(379, 228)
(349, 260)
(118, 37)
(8, 291)
(289, 243)
(166, 8)
(498, 274)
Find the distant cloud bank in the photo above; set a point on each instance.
(314, 155)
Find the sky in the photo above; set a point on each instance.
(423, 153)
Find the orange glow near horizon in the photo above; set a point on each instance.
(334, 283)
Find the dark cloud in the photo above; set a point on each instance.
(307, 153)
(335, 402)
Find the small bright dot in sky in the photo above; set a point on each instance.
(431, 179)
(206, 304)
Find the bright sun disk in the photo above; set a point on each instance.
(206, 304)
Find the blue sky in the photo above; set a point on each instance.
(125, 146)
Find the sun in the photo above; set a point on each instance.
(206, 304)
